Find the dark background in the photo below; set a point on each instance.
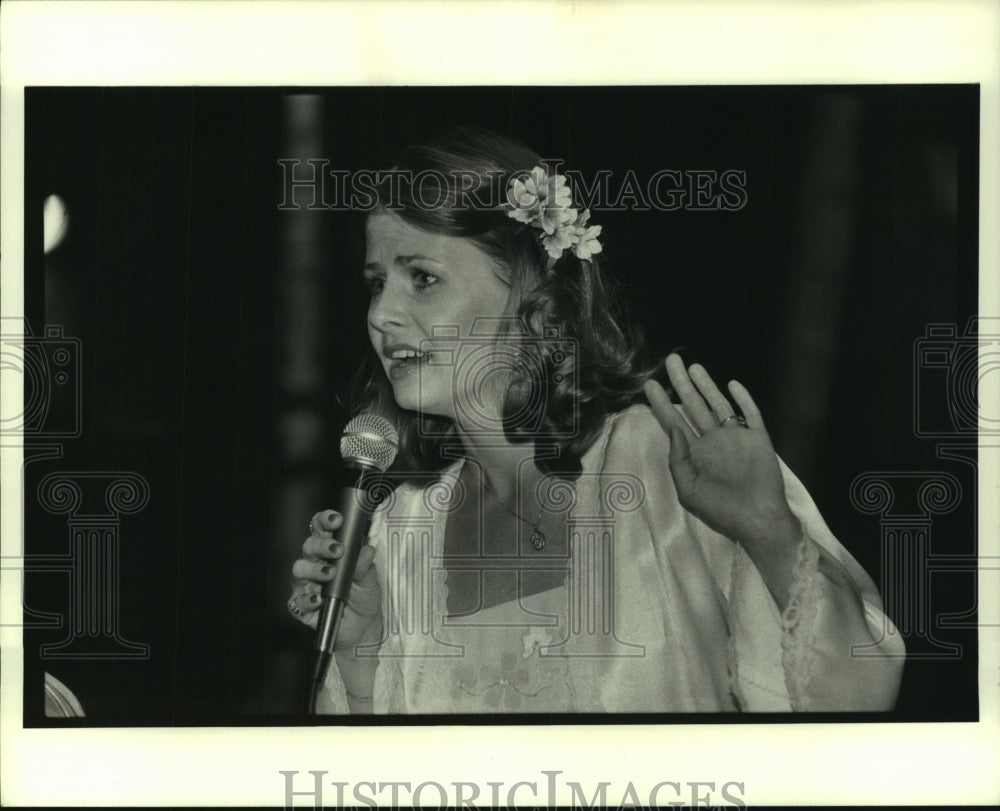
(218, 334)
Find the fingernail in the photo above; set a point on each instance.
(326, 570)
(335, 549)
(331, 515)
(313, 599)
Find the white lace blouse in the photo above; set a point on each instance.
(658, 613)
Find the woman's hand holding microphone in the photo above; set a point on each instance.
(361, 621)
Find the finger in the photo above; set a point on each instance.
(325, 548)
(715, 398)
(690, 398)
(366, 595)
(305, 601)
(679, 459)
(677, 429)
(325, 521)
(364, 570)
(749, 408)
(304, 606)
(665, 411)
(320, 572)
(680, 454)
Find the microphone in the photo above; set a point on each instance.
(368, 447)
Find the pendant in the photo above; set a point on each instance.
(537, 539)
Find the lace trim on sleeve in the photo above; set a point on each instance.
(798, 622)
(333, 696)
(732, 657)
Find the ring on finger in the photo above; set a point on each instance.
(740, 421)
(293, 606)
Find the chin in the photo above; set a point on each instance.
(412, 396)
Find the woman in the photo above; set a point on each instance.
(563, 538)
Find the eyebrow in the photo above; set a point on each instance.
(403, 260)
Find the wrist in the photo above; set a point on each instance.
(775, 532)
(773, 548)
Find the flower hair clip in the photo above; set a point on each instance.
(544, 201)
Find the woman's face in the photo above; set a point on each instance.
(428, 291)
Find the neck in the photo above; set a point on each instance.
(507, 468)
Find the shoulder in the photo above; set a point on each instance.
(631, 436)
(637, 418)
(635, 425)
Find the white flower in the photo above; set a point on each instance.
(529, 193)
(555, 218)
(524, 195)
(586, 242)
(559, 191)
(560, 238)
(546, 202)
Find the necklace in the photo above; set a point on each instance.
(537, 537)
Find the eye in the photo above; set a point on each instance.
(422, 279)
(374, 282)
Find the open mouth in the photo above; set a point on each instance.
(403, 361)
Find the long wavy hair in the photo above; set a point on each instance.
(578, 354)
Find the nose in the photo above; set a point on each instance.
(388, 309)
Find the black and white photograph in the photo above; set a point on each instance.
(259, 280)
(372, 410)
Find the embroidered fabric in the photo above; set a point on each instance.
(798, 622)
(515, 675)
(498, 659)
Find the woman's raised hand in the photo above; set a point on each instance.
(726, 473)
(318, 565)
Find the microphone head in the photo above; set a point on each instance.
(369, 441)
